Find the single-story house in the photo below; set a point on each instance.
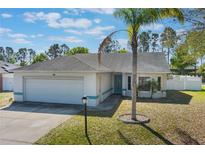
(66, 79)
(6, 76)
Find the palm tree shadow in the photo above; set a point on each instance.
(162, 138)
(126, 140)
(186, 138)
(88, 139)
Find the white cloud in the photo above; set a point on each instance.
(70, 39)
(55, 20)
(153, 27)
(97, 20)
(6, 15)
(34, 16)
(36, 35)
(73, 40)
(99, 30)
(100, 10)
(76, 32)
(96, 10)
(17, 35)
(73, 11)
(102, 37)
(4, 30)
(19, 38)
(21, 41)
(70, 22)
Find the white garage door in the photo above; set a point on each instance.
(68, 91)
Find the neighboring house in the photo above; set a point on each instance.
(6, 76)
(66, 79)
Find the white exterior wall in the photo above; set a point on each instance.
(104, 86)
(8, 80)
(184, 83)
(144, 93)
(89, 84)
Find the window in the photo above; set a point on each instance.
(144, 83)
(159, 83)
(129, 83)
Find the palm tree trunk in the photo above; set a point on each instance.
(168, 55)
(134, 76)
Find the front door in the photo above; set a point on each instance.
(118, 84)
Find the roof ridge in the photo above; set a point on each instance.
(89, 64)
(84, 62)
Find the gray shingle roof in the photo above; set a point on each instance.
(115, 62)
(7, 67)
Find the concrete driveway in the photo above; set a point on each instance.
(24, 123)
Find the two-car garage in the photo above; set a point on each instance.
(68, 90)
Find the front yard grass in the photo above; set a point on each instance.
(179, 119)
(6, 98)
(203, 87)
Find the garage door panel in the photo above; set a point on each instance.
(54, 91)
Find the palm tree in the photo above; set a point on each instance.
(134, 19)
(153, 86)
(169, 40)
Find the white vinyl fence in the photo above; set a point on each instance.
(179, 82)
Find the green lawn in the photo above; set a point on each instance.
(179, 119)
(203, 87)
(6, 98)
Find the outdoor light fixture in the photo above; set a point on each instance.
(84, 99)
(85, 102)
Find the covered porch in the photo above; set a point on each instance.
(122, 84)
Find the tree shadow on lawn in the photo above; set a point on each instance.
(173, 97)
(154, 132)
(186, 138)
(125, 139)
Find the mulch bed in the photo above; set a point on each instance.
(140, 119)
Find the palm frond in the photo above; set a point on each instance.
(172, 12)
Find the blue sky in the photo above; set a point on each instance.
(39, 28)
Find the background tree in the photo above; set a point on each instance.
(154, 41)
(77, 50)
(123, 50)
(2, 53)
(32, 54)
(54, 51)
(168, 40)
(135, 18)
(39, 58)
(113, 46)
(182, 59)
(64, 48)
(196, 43)
(144, 41)
(10, 55)
(21, 56)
